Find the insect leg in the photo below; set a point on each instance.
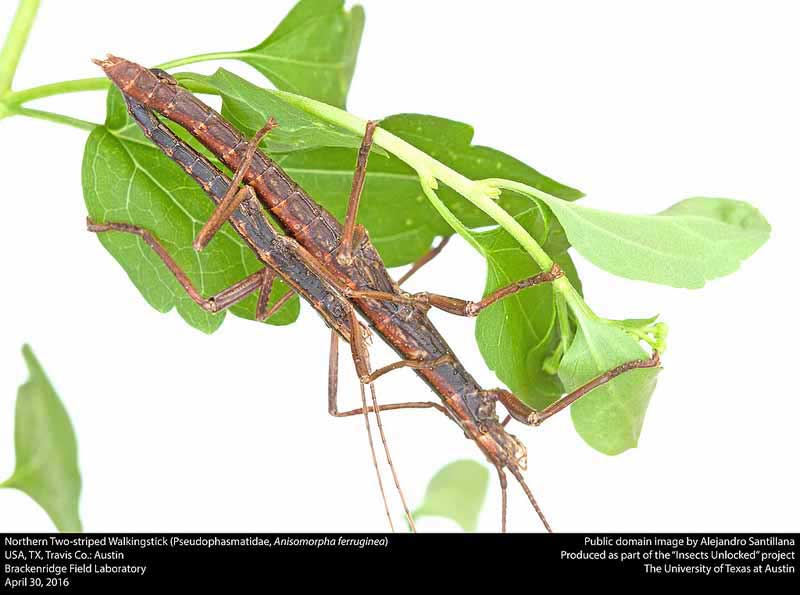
(458, 306)
(263, 309)
(361, 362)
(518, 475)
(424, 259)
(260, 280)
(333, 375)
(333, 389)
(234, 195)
(527, 415)
(333, 383)
(503, 498)
(407, 363)
(345, 255)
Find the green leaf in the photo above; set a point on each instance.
(518, 333)
(609, 418)
(46, 449)
(401, 223)
(450, 142)
(127, 179)
(693, 241)
(456, 492)
(313, 50)
(321, 157)
(248, 107)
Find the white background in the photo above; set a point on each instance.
(638, 104)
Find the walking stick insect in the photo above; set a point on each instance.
(336, 269)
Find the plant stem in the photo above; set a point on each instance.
(73, 86)
(451, 219)
(202, 58)
(9, 60)
(478, 193)
(581, 309)
(15, 42)
(481, 193)
(11, 103)
(53, 117)
(101, 83)
(563, 323)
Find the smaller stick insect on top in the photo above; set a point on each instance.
(336, 269)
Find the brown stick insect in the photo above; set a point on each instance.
(336, 269)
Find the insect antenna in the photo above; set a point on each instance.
(374, 456)
(516, 473)
(376, 409)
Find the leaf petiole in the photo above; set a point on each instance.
(202, 58)
(53, 117)
(654, 335)
(553, 361)
(563, 322)
(11, 103)
(59, 88)
(448, 216)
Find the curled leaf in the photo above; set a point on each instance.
(519, 333)
(610, 417)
